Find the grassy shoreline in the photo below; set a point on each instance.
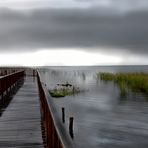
(134, 81)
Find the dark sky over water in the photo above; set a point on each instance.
(110, 27)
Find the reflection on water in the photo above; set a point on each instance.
(103, 115)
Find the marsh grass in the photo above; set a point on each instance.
(135, 81)
(64, 91)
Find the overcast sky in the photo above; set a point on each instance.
(103, 31)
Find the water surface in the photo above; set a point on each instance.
(102, 117)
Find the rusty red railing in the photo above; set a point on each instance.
(54, 135)
(8, 81)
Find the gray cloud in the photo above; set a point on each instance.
(56, 28)
(123, 5)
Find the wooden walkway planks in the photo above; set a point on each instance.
(20, 123)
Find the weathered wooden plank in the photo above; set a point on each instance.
(20, 123)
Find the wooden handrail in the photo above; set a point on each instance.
(9, 80)
(55, 135)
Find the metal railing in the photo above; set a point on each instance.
(55, 135)
(8, 81)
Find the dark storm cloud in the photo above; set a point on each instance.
(61, 28)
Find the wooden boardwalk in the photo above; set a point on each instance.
(20, 123)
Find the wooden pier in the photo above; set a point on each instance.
(20, 123)
(27, 119)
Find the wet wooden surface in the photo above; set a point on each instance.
(20, 123)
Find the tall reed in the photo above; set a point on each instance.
(134, 81)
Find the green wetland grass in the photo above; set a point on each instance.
(64, 91)
(137, 82)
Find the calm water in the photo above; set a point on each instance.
(102, 118)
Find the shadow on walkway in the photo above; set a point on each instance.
(5, 101)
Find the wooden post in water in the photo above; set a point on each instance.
(63, 114)
(71, 127)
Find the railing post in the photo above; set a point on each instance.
(53, 137)
(33, 73)
(5, 72)
(8, 81)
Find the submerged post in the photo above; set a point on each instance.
(63, 114)
(71, 127)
